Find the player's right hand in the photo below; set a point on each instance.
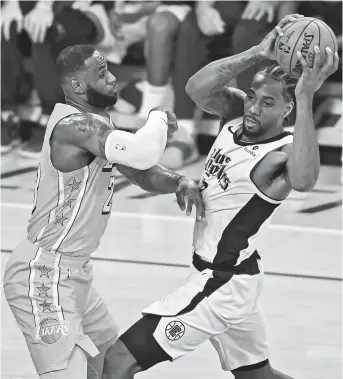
(187, 195)
(172, 120)
(267, 46)
(11, 12)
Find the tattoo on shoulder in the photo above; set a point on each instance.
(87, 123)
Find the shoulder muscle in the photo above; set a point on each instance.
(87, 131)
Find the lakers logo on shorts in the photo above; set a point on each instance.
(51, 330)
(175, 330)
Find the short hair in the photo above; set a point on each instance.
(275, 72)
(72, 59)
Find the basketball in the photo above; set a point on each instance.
(303, 35)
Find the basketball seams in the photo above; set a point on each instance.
(290, 62)
(318, 38)
(330, 32)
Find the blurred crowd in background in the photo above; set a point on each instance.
(153, 48)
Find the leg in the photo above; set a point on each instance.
(135, 351)
(182, 149)
(120, 363)
(46, 309)
(259, 371)
(200, 309)
(98, 324)
(77, 367)
(162, 28)
(95, 365)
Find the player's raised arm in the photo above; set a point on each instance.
(304, 161)
(208, 87)
(94, 134)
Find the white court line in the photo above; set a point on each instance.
(148, 216)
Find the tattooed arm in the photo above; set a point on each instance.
(208, 87)
(91, 133)
(159, 179)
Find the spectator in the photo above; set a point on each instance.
(45, 27)
(162, 28)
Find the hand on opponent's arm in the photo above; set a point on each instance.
(159, 179)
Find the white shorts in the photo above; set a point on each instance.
(209, 306)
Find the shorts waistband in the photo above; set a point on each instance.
(248, 267)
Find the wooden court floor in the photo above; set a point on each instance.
(145, 252)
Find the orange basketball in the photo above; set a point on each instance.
(302, 35)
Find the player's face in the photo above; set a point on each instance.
(264, 106)
(101, 85)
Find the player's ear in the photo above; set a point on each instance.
(76, 85)
(288, 109)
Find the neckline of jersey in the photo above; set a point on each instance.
(237, 141)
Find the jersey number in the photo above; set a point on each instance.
(108, 203)
(36, 190)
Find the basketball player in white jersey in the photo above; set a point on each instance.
(252, 167)
(48, 278)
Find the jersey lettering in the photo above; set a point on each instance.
(215, 166)
(108, 203)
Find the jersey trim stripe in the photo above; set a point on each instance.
(52, 213)
(75, 210)
(55, 294)
(244, 225)
(35, 310)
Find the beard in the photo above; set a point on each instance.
(99, 100)
(251, 132)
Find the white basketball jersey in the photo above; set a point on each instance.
(236, 211)
(70, 210)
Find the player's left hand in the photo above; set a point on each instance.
(255, 10)
(313, 78)
(37, 22)
(188, 192)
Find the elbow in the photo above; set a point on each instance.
(148, 159)
(191, 87)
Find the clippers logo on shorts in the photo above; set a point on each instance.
(50, 330)
(175, 330)
(120, 147)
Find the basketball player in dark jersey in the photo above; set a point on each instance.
(252, 167)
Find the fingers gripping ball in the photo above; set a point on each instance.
(303, 35)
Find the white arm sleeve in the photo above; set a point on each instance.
(143, 149)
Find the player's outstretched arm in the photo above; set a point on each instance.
(304, 161)
(159, 179)
(93, 134)
(208, 87)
